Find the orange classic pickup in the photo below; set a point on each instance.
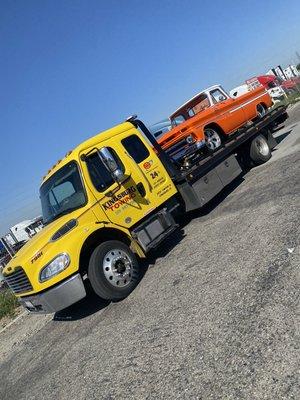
(209, 117)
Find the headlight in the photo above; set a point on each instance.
(61, 262)
(190, 139)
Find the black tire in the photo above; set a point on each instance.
(104, 274)
(213, 139)
(261, 111)
(259, 150)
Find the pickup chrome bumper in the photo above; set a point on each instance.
(56, 298)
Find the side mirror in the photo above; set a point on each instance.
(111, 164)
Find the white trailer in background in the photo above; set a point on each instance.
(24, 230)
(17, 236)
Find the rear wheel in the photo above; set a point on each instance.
(261, 111)
(259, 150)
(212, 139)
(113, 270)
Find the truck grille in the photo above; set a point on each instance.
(18, 281)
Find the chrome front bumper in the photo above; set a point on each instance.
(56, 298)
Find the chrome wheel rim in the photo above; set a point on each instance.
(212, 139)
(117, 268)
(262, 147)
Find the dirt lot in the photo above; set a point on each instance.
(215, 317)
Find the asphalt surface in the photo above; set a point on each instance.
(216, 315)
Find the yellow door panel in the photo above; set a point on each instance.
(148, 185)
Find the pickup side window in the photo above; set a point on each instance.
(135, 148)
(217, 96)
(100, 176)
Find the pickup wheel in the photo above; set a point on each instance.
(259, 150)
(261, 111)
(113, 270)
(212, 139)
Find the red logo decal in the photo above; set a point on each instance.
(147, 164)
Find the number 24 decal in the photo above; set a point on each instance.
(153, 174)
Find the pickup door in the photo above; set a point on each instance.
(229, 113)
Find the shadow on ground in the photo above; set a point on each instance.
(83, 308)
(92, 303)
(281, 137)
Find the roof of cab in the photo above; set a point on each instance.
(193, 98)
(93, 141)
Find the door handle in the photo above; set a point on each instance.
(141, 189)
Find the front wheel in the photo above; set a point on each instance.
(113, 270)
(259, 150)
(212, 139)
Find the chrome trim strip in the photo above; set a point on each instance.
(247, 102)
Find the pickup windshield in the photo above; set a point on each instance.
(62, 193)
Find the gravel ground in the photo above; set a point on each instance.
(215, 317)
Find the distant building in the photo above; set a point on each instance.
(291, 72)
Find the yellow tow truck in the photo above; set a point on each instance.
(113, 199)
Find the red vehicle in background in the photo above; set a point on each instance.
(272, 81)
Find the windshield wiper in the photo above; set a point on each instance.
(67, 211)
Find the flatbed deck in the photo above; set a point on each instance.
(204, 164)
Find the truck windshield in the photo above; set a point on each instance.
(62, 193)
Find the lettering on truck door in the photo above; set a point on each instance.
(147, 184)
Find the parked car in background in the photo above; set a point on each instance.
(290, 85)
(160, 128)
(269, 82)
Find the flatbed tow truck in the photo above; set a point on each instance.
(113, 199)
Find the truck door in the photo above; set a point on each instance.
(146, 187)
(230, 112)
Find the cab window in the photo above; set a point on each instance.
(100, 176)
(217, 96)
(135, 148)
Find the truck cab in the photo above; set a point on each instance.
(111, 189)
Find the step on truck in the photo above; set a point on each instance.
(113, 199)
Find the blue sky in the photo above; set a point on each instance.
(72, 68)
